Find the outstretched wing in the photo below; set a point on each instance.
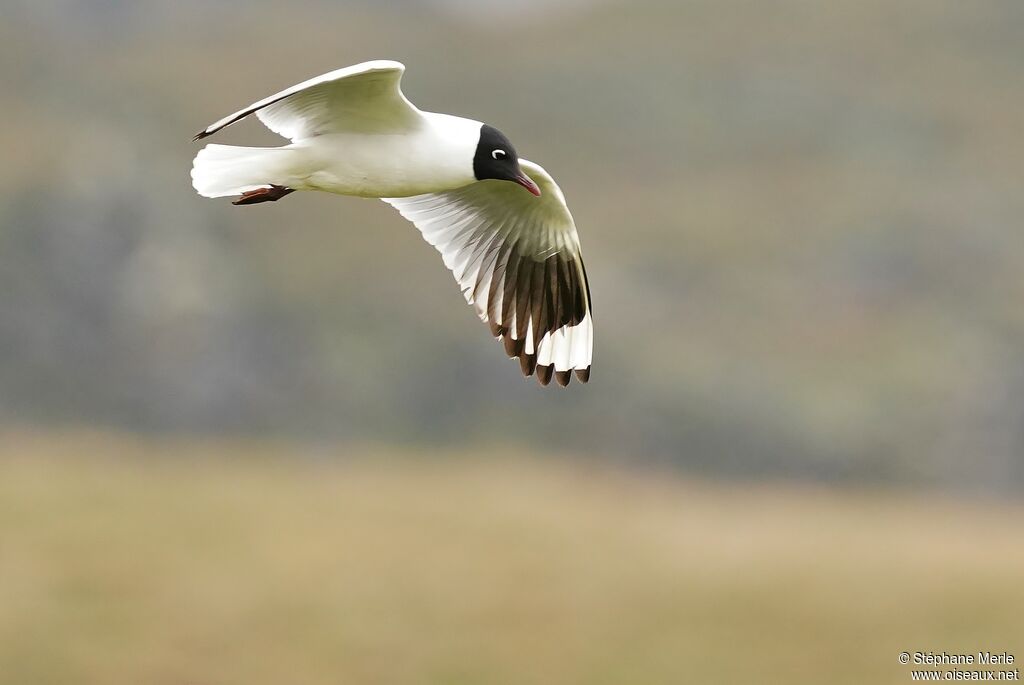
(517, 259)
(364, 98)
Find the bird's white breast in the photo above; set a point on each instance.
(435, 157)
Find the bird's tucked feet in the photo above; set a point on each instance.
(271, 194)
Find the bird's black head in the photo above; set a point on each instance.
(495, 158)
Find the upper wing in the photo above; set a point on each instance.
(365, 97)
(517, 259)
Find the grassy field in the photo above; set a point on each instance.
(235, 563)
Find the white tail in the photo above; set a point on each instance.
(223, 170)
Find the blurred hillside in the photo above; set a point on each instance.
(802, 223)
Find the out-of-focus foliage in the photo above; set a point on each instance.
(802, 223)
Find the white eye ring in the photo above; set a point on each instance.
(499, 154)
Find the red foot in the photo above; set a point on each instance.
(271, 194)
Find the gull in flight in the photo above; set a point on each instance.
(500, 222)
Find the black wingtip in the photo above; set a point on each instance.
(513, 347)
(563, 377)
(583, 375)
(544, 373)
(199, 136)
(528, 363)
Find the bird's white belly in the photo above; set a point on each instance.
(382, 165)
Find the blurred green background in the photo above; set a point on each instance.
(273, 444)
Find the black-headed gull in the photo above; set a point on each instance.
(500, 223)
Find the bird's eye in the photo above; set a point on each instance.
(499, 154)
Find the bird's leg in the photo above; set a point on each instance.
(271, 194)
